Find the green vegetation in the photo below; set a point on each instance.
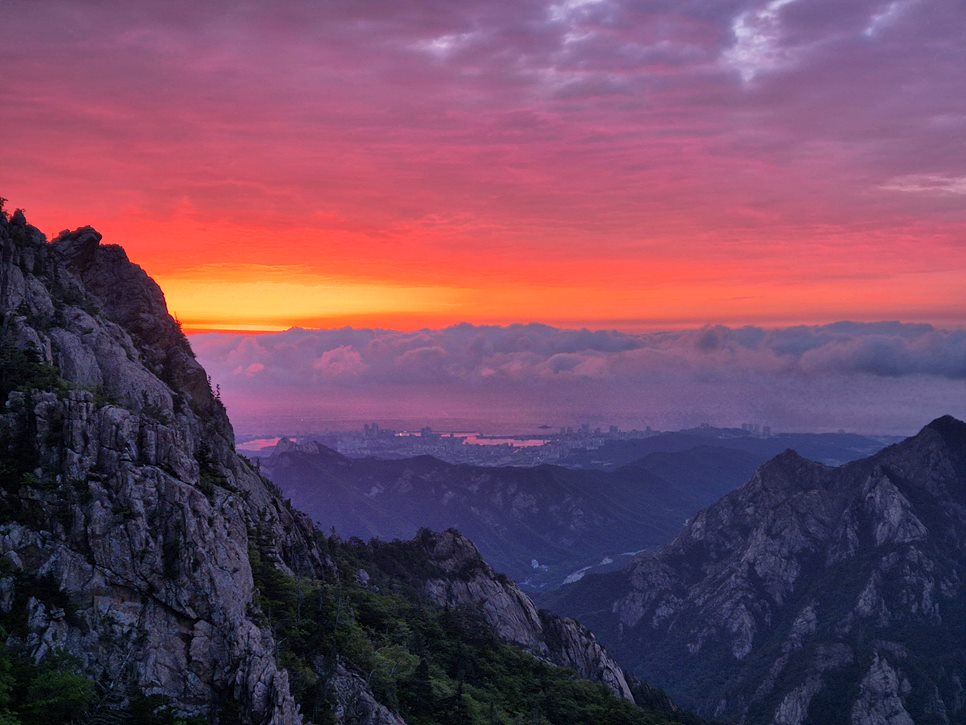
(24, 370)
(52, 691)
(182, 337)
(55, 691)
(18, 451)
(431, 665)
(208, 474)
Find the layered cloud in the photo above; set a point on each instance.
(885, 376)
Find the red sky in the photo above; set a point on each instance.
(406, 164)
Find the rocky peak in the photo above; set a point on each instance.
(313, 448)
(787, 473)
(808, 593)
(951, 429)
(284, 445)
(946, 437)
(452, 552)
(78, 246)
(925, 469)
(129, 297)
(943, 438)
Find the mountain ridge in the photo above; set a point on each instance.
(539, 524)
(831, 448)
(797, 596)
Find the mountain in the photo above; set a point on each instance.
(810, 595)
(539, 525)
(454, 574)
(830, 448)
(150, 575)
(121, 489)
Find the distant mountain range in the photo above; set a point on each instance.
(830, 448)
(543, 525)
(810, 595)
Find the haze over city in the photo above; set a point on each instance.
(873, 378)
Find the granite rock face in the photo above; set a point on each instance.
(810, 595)
(356, 704)
(130, 498)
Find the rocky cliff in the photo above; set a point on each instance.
(120, 485)
(810, 595)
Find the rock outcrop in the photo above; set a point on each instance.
(356, 704)
(810, 595)
(455, 575)
(122, 487)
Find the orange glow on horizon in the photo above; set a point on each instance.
(271, 300)
(220, 275)
(269, 278)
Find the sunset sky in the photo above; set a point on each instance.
(634, 165)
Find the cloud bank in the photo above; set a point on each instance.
(888, 377)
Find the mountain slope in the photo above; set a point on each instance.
(538, 525)
(454, 575)
(148, 566)
(810, 595)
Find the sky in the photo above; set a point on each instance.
(585, 163)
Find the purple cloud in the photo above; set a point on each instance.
(886, 377)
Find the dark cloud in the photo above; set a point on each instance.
(842, 101)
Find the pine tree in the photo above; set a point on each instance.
(424, 702)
